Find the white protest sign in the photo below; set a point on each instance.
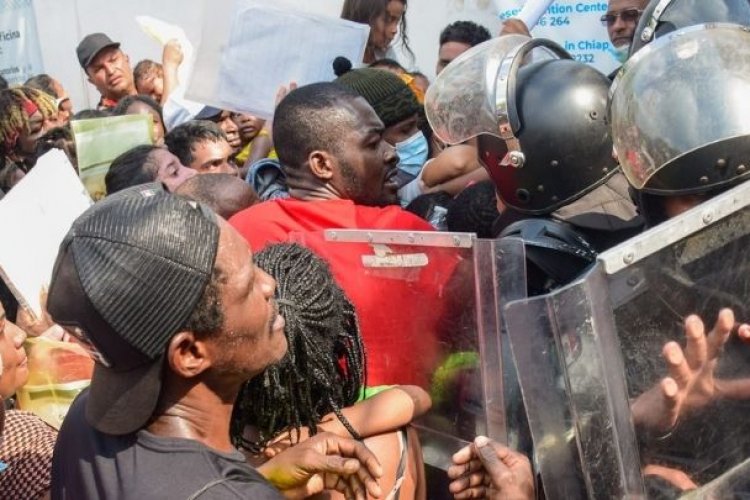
(574, 24)
(20, 54)
(269, 45)
(36, 215)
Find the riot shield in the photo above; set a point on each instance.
(427, 302)
(592, 360)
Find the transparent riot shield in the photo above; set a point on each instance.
(427, 306)
(592, 364)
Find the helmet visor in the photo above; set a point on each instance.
(463, 102)
(684, 91)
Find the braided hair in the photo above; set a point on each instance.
(14, 117)
(324, 368)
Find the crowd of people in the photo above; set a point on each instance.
(239, 355)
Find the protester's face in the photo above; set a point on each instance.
(230, 129)
(676, 205)
(141, 108)
(448, 52)
(622, 27)
(169, 170)
(110, 73)
(253, 332)
(27, 139)
(385, 28)
(64, 111)
(65, 105)
(212, 157)
(152, 85)
(367, 163)
(402, 130)
(249, 126)
(14, 369)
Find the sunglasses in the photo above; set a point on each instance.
(627, 16)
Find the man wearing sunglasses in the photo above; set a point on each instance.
(621, 19)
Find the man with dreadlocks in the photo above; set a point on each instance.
(26, 114)
(323, 374)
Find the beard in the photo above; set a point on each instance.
(357, 192)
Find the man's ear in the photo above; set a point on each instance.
(188, 356)
(322, 164)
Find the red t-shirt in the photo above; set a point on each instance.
(399, 306)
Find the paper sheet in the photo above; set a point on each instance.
(101, 140)
(532, 11)
(269, 46)
(36, 215)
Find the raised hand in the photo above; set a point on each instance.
(691, 384)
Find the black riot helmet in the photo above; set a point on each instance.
(680, 112)
(664, 16)
(539, 116)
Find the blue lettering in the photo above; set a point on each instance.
(591, 7)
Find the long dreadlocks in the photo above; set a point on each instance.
(17, 104)
(323, 370)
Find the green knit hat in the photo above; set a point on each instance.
(391, 98)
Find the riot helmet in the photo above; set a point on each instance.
(665, 16)
(539, 116)
(555, 253)
(680, 112)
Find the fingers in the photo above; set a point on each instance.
(720, 333)
(477, 479)
(676, 364)
(697, 346)
(743, 332)
(367, 470)
(456, 471)
(463, 455)
(478, 492)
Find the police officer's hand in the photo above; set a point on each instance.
(487, 469)
(325, 462)
(691, 384)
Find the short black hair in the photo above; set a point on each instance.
(181, 139)
(225, 194)
(131, 168)
(312, 117)
(42, 82)
(474, 210)
(467, 32)
(123, 104)
(145, 68)
(87, 114)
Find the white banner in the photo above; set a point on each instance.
(20, 54)
(575, 25)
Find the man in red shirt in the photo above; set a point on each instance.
(341, 174)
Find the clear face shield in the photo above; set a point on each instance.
(475, 94)
(680, 111)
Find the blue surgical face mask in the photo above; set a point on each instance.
(412, 154)
(620, 53)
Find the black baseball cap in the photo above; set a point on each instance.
(128, 275)
(91, 45)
